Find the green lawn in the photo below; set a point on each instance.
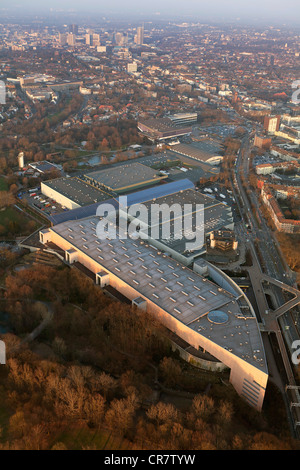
(19, 219)
(77, 437)
(11, 214)
(3, 184)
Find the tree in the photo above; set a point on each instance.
(170, 370)
(105, 384)
(225, 413)
(6, 199)
(120, 415)
(266, 441)
(94, 409)
(13, 189)
(162, 413)
(203, 407)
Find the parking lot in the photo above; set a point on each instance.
(40, 203)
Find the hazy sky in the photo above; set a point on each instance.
(278, 10)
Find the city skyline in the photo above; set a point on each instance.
(149, 226)
(266, 11)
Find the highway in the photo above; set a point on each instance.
(268, 267)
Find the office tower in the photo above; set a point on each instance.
(73, 28)
(71, 39)
(119, 38)
(89, 39)
(271, 124)
(140, 35)
(62, 39)
(96, 39)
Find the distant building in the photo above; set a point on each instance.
(119, 39)
(39, 94)
(262, 142)
(269, 168)
(96, 39)
(72, 192)
(124, 178)
(184, 118)
(132, 68)
(271, 124)
(224, 240)
(62, 39)
(71, 39)
(89, 39)
(140, 35)
(282, 224)
(44, 167)
(21, 160)
(192, 151)
(206, 214)
(92, 39)
(73, 28)
(162, 128)
(287, 155)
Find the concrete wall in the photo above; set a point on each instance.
(198, 361)
(58, 197)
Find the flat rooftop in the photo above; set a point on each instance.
(124, 177)
(77, 190)
(176, 289)
(214, 215)
(194, 151)
(209, 146)
(44, 166)
(162, 124)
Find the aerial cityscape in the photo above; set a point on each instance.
(150, 228)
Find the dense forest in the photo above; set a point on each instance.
(100, 368)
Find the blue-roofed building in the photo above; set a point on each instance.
(133, 198)
(157, 192)
(44, 167)
(80, 212)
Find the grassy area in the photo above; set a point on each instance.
(3, 184)
(12, 214)
(17, 222)
(79, 436)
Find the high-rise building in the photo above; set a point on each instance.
(262, 141)
(140, 35)
(73, 28)
(71, 39)
(62, 39)
(119, 39)
(271, 124)
(96, 39)
(89, 39)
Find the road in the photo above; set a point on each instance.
(268, 266)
